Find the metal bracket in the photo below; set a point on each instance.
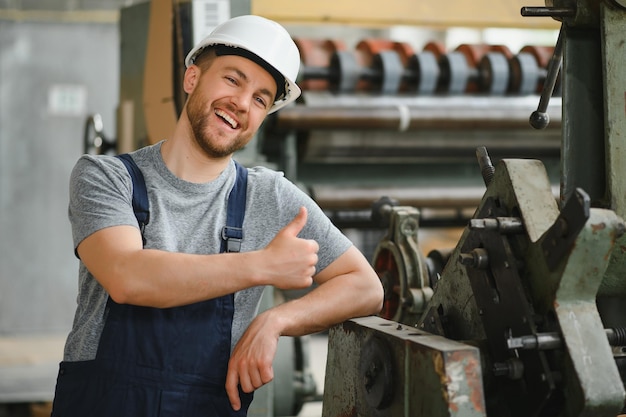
(560, 237)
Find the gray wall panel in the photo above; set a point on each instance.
(40, 141)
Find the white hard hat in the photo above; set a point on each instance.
(265, 39)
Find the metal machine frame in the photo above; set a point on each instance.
(533, 280)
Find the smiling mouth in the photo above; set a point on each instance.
(227, 118)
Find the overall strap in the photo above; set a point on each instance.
(141, 205)
(232, 233)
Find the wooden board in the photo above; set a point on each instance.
(452, 13)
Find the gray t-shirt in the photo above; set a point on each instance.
(184, 217)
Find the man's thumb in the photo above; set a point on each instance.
(298, 222)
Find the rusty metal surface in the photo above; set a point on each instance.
(432, 376)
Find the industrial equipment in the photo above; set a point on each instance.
(525, 315)
(384, 119)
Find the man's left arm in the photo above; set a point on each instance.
(348, 288)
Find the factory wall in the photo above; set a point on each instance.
(52, 76)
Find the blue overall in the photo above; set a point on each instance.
(159, 362)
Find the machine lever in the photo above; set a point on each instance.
(539, 119)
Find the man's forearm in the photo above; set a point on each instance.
(334, 301)
(162, 279)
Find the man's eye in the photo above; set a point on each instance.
(261, 101)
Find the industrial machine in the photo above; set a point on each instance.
(385, 119)
(525, 315)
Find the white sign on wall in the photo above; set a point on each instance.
(206, 15)
(67, 100)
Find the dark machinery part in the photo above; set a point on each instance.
(94, 139)
(521, 286)
(402, 269)
(381, 211)
(562, 235)
(486, 167)
(540, 119)
(376, 373)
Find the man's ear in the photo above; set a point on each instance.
(190, 80)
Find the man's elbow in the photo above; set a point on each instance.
(119, 287)
(377, 296)
(120, 293)
(372, 295)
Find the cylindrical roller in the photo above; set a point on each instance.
(345, 72)
(317, 53)
(543, 55)
(473, 55)
(425, 68)
(410, 114)
(494, 74)
(366, 52)
(455, 73)
(525, 74)
(495, 70)
(390, 69)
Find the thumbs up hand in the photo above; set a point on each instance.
(290, 260)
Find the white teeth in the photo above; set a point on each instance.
(226, 117)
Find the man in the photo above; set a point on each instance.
(166, 322)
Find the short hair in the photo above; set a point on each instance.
(204, 58)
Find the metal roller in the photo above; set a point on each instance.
(390, 66)
(402, 113)
(386, 67)
(317, 53)
(525, 74)
(345, 72)
(427, 72)
(455, 73)
(494, 73)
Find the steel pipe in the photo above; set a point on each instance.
(455, 113)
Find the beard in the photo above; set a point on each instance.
(199, 115)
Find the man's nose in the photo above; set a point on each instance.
(242, 100)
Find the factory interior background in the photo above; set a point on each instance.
(405, 104)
